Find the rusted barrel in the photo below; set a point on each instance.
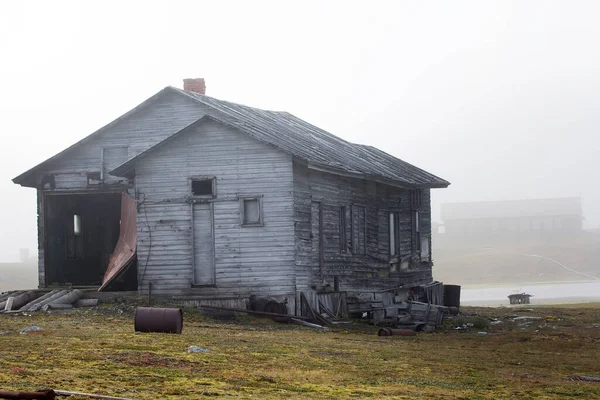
(395, 332)
(452, 296)
(164, 320)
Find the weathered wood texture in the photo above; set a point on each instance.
(361, 262)
(135, 133)
(125, 138)
(248, 259)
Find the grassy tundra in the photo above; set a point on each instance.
(96, 350)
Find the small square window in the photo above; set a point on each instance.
(204, 187)
(251, 211)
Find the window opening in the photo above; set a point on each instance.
(76, 224)
(203, 187)
(251, 211)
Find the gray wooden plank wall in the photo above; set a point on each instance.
(137, 133)
(357, 271)
(248, 260)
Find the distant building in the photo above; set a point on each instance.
(516, 219)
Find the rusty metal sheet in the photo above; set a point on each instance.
(124, 252)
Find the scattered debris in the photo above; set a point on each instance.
(524, 318)
(309, 324)
(197, 349)
(32, 328)
(583, 378)
(275, 316)
(56, 306)
(36, 300)
(87, 303)
(16, 301)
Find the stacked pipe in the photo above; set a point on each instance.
(55, 299)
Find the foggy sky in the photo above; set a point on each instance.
(500, 98)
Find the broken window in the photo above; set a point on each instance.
(204, 187)
(417, 231)
(251, 210)
(394, 233)
(425, 249)
(94, 178)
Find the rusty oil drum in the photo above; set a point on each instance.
(154, 319)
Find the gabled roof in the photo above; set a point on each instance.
(24, 178)
(306, 142)
(318, 148)
(512, 209)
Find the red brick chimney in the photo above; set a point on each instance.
(196, 85)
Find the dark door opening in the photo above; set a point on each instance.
(82, 231)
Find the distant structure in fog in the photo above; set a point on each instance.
(515, 219)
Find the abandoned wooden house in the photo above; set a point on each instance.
(198, 198)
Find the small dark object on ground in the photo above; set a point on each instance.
(163, 320)
(43, 395)
(395, 332)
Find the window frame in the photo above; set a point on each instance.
(242, 200)
(394, 242)
(343, 232)
(213, 180)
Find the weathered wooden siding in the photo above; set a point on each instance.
(138, 132)
(362, 262)
(248, 260)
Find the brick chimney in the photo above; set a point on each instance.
(196, 85)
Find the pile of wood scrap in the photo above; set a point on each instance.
(33, 300)
(397, 310)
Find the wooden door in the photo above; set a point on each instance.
(203, 244)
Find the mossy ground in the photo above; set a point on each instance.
(96, 350)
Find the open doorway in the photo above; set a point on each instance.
(82, 231)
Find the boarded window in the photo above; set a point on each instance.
(343, 231)
(204, 187)
(251, 211)
(394, 233)
(359, 230)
